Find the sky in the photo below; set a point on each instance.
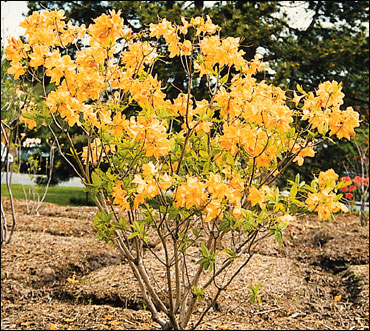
(11, 16)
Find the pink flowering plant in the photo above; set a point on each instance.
(357, 170)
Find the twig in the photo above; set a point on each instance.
(267, 311)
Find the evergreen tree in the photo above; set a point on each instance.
(332, 45)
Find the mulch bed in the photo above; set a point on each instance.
(55, 274)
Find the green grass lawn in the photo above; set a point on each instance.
(63, 196)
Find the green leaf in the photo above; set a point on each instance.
(133, 235)
(196, 232)
(297, 179)
(29, 116)
(278, 236)
(206, 168)
(342, 184)
(254, 293)
(297, 202)
(224, 79)
(338, 197)
(293, 191)
(300, 89)
(230, 252)
(193, 154)
(198, 292)
(282, 225)
(97, 181)
(202, 260)
(225, 225)
(203, 154)
(204, 250)
(123, 224)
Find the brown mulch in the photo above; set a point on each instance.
(55, 274)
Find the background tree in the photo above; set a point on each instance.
(332, 44)
(9, 126)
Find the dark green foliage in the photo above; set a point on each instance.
(333, 44)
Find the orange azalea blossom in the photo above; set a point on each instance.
(38, 29)
(324, 203)
(205, 27)
(68, 107)
(16, 50)
(186, 48)
(185, 25)
(97, 151)
(181, 106)
(149, 169)
(17, 69)
(91, 57)
(254, 66)
(163, 28)
(120, 196)
(297, 98)
(342, 123)
(192, 193)
(58, 65)
(327, 179)
(230, 140)
(165, 182)
(330, 94)
(38, 55)
(297, 147)
(213, 210)
(29, 109)
(201, 126)
(119, 124)
(220, 190)
(29, 122)
(138, 55)
(152, 133)
(147, 92)
(323, 112)
(166, 30)
(235, 194)
(258, 196)
(286, 218)
(223, 52)
(106, 29)
(71, 33)
(147, 186)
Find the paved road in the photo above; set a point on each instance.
(25, 180)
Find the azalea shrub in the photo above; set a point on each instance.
(357, 170)
(183, 182)
(356, 192)
(353, 186)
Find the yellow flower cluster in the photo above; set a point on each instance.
(325, 201)
(258, 196)
(97, 152)
(323, 111)
(243, 129)
(211, 194)
(150, 186)
(106, 29)
(153, 133)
